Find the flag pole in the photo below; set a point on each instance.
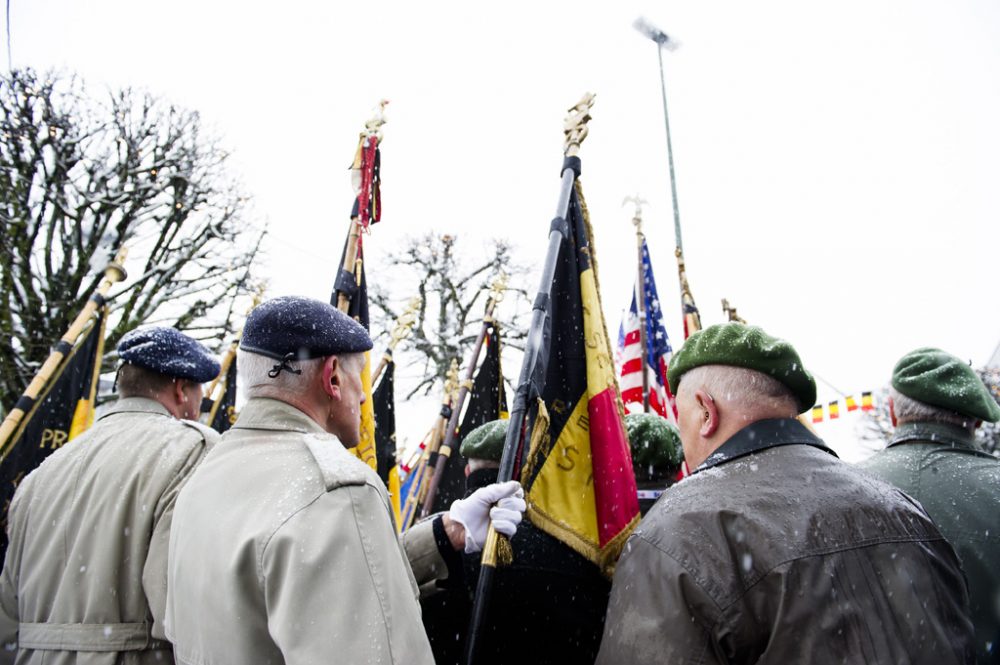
(416, 496)
(347, 281)
(114, 272)
(639, 294)
(404, 324)
(532, 368)
(447, 446)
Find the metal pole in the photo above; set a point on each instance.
(670, 152)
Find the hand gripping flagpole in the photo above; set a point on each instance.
(114, 272)
(448, 445)
(532, 368)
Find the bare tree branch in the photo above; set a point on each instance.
(79, 177)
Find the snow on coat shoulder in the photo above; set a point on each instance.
(339, 467)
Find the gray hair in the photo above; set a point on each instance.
(746, 388)
(909, 410)
(475, 464)
(253, 370)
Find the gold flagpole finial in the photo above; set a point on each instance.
(497, 290)
(404, 324)
(575, 126)
(115, 271)
(451, 382)
(730, 312)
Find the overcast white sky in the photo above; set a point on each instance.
(837, 162)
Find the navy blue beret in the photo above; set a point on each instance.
(168, 351)
(292, 327)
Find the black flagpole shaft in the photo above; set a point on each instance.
(532, 350)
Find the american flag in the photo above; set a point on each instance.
(658, 350)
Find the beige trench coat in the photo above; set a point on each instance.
(85, 575)
(284, 551)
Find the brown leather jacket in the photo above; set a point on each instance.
(774, 551)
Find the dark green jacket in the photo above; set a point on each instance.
(959, 486)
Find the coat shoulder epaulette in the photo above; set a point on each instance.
(208, 435)
(339, 467)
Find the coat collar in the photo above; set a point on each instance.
(762, 435)
(945, 434)
(264, 413)
(136, 405)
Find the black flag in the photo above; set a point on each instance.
(50, 423)
(225, 405)
(487, 401)
(384, 406)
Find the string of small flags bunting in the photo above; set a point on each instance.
(820, 411)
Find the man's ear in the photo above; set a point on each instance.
(331, 377)
(179, 386)
(709, 413)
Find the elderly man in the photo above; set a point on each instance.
(936, 402)
(86, 571)
(774, 551)
(283, 548)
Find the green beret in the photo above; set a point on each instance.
(486, 441)
(739, 345)
(940, 379)
(655, 444)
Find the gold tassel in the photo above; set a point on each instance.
(505, 553)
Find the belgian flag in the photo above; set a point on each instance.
(577, 471)
(866, 401)
(852, 405)
(817, 413)
(834, 410)
(62, 411)
(487, 401)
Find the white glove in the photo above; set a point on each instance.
(476, 512)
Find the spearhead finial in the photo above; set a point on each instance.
(575, 125)
(498, 288)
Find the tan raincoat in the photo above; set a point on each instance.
(85, 575)
(284, 551)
